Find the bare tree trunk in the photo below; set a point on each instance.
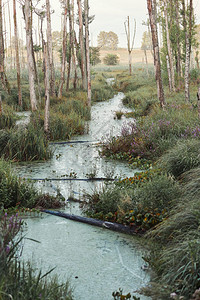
(47, 91)
(5, 39)
(4, 80)
(197, 58)
(82, 46)
(169, 49)
(11, 56)
(146, 61)
(169, 73)
(187, 47)
(1, 106)
(62, 79)
(157, 65)
(178, 39)
(17, 55)
(130, 47)
(31, 69)
(71, 18)
(50, 48)
(89, 94)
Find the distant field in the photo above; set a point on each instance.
(122, 53)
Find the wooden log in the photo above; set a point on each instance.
(104, 224)
(73, 179)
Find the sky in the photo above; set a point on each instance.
(110, 15)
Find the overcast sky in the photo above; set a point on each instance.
(110, 15)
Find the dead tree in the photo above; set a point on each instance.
(47, 90)
(82, 46)
(64, 44)
(50, 48)
(89, 94)
(129, 45)
(31, 68)
(17, 55)
(156, 52)
(4, 80)
(169, 50)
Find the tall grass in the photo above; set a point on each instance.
(24, 144)
(101, 91)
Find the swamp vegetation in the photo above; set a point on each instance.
(162, 199)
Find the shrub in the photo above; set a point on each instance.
(111, 59)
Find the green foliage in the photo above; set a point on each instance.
(101, 90)
(181, 158)
(94, 55)
(24, 145)
(107, 40)
(7, 118)
(14, 190)
(111, 59)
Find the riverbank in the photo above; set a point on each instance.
(164, 198)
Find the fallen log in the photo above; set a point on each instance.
(133, 230)
(72, 179)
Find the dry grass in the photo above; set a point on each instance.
(122, 53)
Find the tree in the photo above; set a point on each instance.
(82, 46)
(94, 55)
(50, 48)
(47, 90)
(129, 44)
(152, 18)
(4, 80)
(187, 25)
(87, 49)
(146, 45)
(107, 40)
(64, 44)
(111, 60)
(31, 68)
(17, 55)
(169, 50)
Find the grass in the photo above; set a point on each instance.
(101, 90)
(163, 201)
(24, 144)
(18, 193)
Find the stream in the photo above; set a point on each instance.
(95, 260)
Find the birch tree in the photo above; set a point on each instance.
(188, 41)
(64, 43)
(17, 54)
(82, 46)
(129, 43)
(152, 18)
(4, 80)
(72, 42)
(50, 48)
(47, 90)
(89, 94)
(31, 69)
(169, 50)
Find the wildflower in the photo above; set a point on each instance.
(173, 296)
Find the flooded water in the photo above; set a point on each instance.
(97, 261)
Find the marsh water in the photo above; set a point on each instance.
(95, 260)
